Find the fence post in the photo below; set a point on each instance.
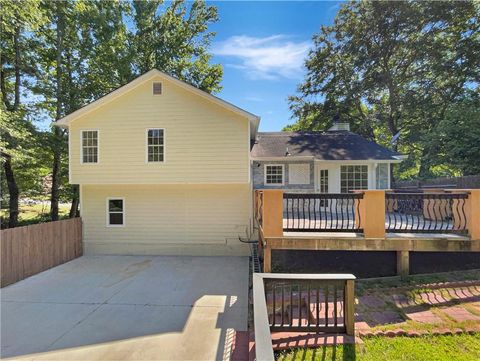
(272, 219)
(472, 211)
(350, 307)
(372, 213)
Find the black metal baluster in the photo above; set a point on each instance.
(283, 304)
(274, 305)
(335, 318)
(308, 304)
(317, 302)
(326, 305)
(299, 304)
(291, 305)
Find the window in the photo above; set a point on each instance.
(274, 174)
(323, 185)
(155, 145)
(89, 146)
(299, 173)
(115, 212)
(353, 177)
(323, 181)
(157, 88)
(382, 172)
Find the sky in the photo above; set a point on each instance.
(262, 47)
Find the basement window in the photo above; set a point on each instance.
(115, 212)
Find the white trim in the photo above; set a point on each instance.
(164, 146)
(70, 156)
(356, 164)
(81, 146)
(65, 121)
(303, 158)
(249, 175)
(265, 174)
(107, 213)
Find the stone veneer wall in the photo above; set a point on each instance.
(258, 169)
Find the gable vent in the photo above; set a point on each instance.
(157, 88)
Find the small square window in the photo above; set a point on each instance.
(274, 174)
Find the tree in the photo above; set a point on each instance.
(59, 56)
(175, 40)
(16, 19)
(456, 138)
(391, 67)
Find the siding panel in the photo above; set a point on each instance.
(204, 143)
(181, 216)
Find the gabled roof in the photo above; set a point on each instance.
(328, 146)
(65, 121)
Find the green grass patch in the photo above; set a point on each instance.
(428, 348)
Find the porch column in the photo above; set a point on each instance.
(272, 222)
(372, 213)
(472, 211)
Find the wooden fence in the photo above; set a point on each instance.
(32, 249)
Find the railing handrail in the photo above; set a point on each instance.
(263, 338)
(309, 276)
(446, 194)
(262, 325)
(358, 195)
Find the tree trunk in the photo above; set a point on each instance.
(12, 191)
(17, 68)
(75, 201)
(57, 133)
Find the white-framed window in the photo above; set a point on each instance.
(89, 146)
(382, 175)
(353, 177)
(299, 173)
(115, 212)
(155, 145)
(323, 181)
(274, 174)
(323, 186)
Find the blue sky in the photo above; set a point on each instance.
(262, 46)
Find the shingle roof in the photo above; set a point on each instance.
(331, 145)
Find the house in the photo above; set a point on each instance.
(165, 168)
(335, 161)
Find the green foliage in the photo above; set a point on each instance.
(456, 139)
(389, 67)
(58, 56)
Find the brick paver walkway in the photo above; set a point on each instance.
(438, 308)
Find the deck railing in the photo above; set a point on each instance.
(322, 212)
(426, 212)
(301, 303)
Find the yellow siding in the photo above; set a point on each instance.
(168, 219)
(204, 142)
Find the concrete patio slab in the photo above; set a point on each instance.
(127, 307)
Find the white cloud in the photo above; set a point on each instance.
(270, 57)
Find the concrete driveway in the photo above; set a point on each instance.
(128, 308)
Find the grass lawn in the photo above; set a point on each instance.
(36, 213)
(428, 348)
